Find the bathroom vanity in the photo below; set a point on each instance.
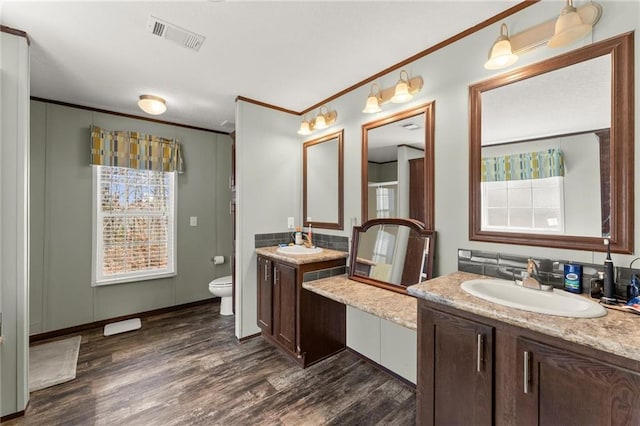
(308, 327)
(482, 363)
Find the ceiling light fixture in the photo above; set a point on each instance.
(324, 119)
(403, 91)
(501, 55)
(569, 27)
(154, 105)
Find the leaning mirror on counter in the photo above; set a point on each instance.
(392, 253)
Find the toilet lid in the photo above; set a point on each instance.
(221, 282)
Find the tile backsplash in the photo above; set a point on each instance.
(333, 242)
(551, 271)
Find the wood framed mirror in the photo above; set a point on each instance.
(392, 253)
(323, 182)
(551, 151)
(397, 166)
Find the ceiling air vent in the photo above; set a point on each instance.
(172, 32)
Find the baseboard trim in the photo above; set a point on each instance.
(12, 416)
(382, 368)
(77, 328)
(246, 338)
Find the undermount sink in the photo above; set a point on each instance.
(556, 302)
(298, 250)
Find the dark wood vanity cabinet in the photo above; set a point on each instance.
(478, 371)
(455, 370)
(284, 305)
(560, 387)
(307, 326)
(265, 294)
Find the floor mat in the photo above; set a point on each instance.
(53, 363)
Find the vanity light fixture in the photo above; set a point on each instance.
(154, 105)
(501, 55)
(324, 119)
(569, 27)
(403, 91)
(373, 100)
(572, 25)
(305, 128)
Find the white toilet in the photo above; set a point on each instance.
(222, 287)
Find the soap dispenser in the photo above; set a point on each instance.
(609, 290)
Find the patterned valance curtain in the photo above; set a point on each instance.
(527, 165)
(135, 151)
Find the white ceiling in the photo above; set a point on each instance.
(291, 54)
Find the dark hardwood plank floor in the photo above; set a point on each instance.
(186, 368)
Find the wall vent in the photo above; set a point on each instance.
(172, 32)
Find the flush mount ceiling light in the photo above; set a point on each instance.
(151, 104)
(569, 27)
(572, 25)
(324, 119)
(501, 55)
(403, 91)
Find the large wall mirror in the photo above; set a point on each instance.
(397, 166)
(551, 151)
(323, 182)
(392, 253)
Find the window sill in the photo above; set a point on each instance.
(125, 280)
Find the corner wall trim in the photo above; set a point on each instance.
(19, 33)
(121, 114)
(266, 105)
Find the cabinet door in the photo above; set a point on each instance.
(455, 370)
(561, 388)
(284, 306)
(265, 295)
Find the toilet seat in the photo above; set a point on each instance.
(221, 282)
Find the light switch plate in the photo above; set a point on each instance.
(193, 221)
(290, 223)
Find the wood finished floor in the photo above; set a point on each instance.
(186, 368)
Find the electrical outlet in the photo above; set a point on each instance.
(290, 223)
(193, 221)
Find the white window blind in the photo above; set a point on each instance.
(134, 225)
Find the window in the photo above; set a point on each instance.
(134, 225)
(530, 205)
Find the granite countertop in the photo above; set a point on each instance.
(395, 307)
(616, 333)
(301, 259)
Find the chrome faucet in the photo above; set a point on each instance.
(531, 278)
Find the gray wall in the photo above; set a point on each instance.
(14, 222)
(269, 188)
(61, 186)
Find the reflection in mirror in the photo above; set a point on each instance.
(322, 182)
(551, 159)
(397, 166)
(392, 253)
